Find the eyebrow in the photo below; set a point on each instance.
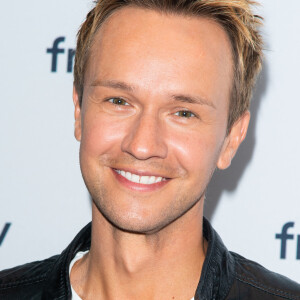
(193, 100)
(176, 97)
(114, 84)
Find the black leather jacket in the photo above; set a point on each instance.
(225, 275)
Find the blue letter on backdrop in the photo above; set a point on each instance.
(55, 51)
(4, 232)
(284, 236)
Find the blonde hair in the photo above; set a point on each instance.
(236, 18)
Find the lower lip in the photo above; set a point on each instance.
(139, 186)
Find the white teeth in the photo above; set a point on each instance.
(151, 180)
(135, 178)
(158, 179)
(144, 179)
(140, 179)
(128, 175)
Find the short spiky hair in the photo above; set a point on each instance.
(236, 18)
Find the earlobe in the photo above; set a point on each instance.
(234, 139)
(77, 115)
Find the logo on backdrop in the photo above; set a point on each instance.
(4, 231)
(284, 236)
(57, 52)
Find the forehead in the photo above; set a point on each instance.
(151, 48)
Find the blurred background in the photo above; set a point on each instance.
(253, 205)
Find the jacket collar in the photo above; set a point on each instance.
(216, 276)
(57, 284)
(218, 268)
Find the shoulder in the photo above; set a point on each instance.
(26, 280)
(253, 279)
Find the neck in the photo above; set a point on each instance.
(121, 265)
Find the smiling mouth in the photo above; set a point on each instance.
(140, 179)
(147, 180)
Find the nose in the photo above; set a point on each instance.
(145, 138)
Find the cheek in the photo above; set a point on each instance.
(100, 134)
(196, 152)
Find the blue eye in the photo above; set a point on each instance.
(117, 101)
(185, 114)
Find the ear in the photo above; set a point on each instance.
(77, 115)
(233, 140)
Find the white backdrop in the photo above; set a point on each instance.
(42, 194)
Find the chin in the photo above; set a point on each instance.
(140, 222)
(141, 215)
(132, 221)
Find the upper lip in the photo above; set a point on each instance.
(141, 172)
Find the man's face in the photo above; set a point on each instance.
(153, 119)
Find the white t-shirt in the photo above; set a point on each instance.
(78, 256)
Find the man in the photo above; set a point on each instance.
(161, 95)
